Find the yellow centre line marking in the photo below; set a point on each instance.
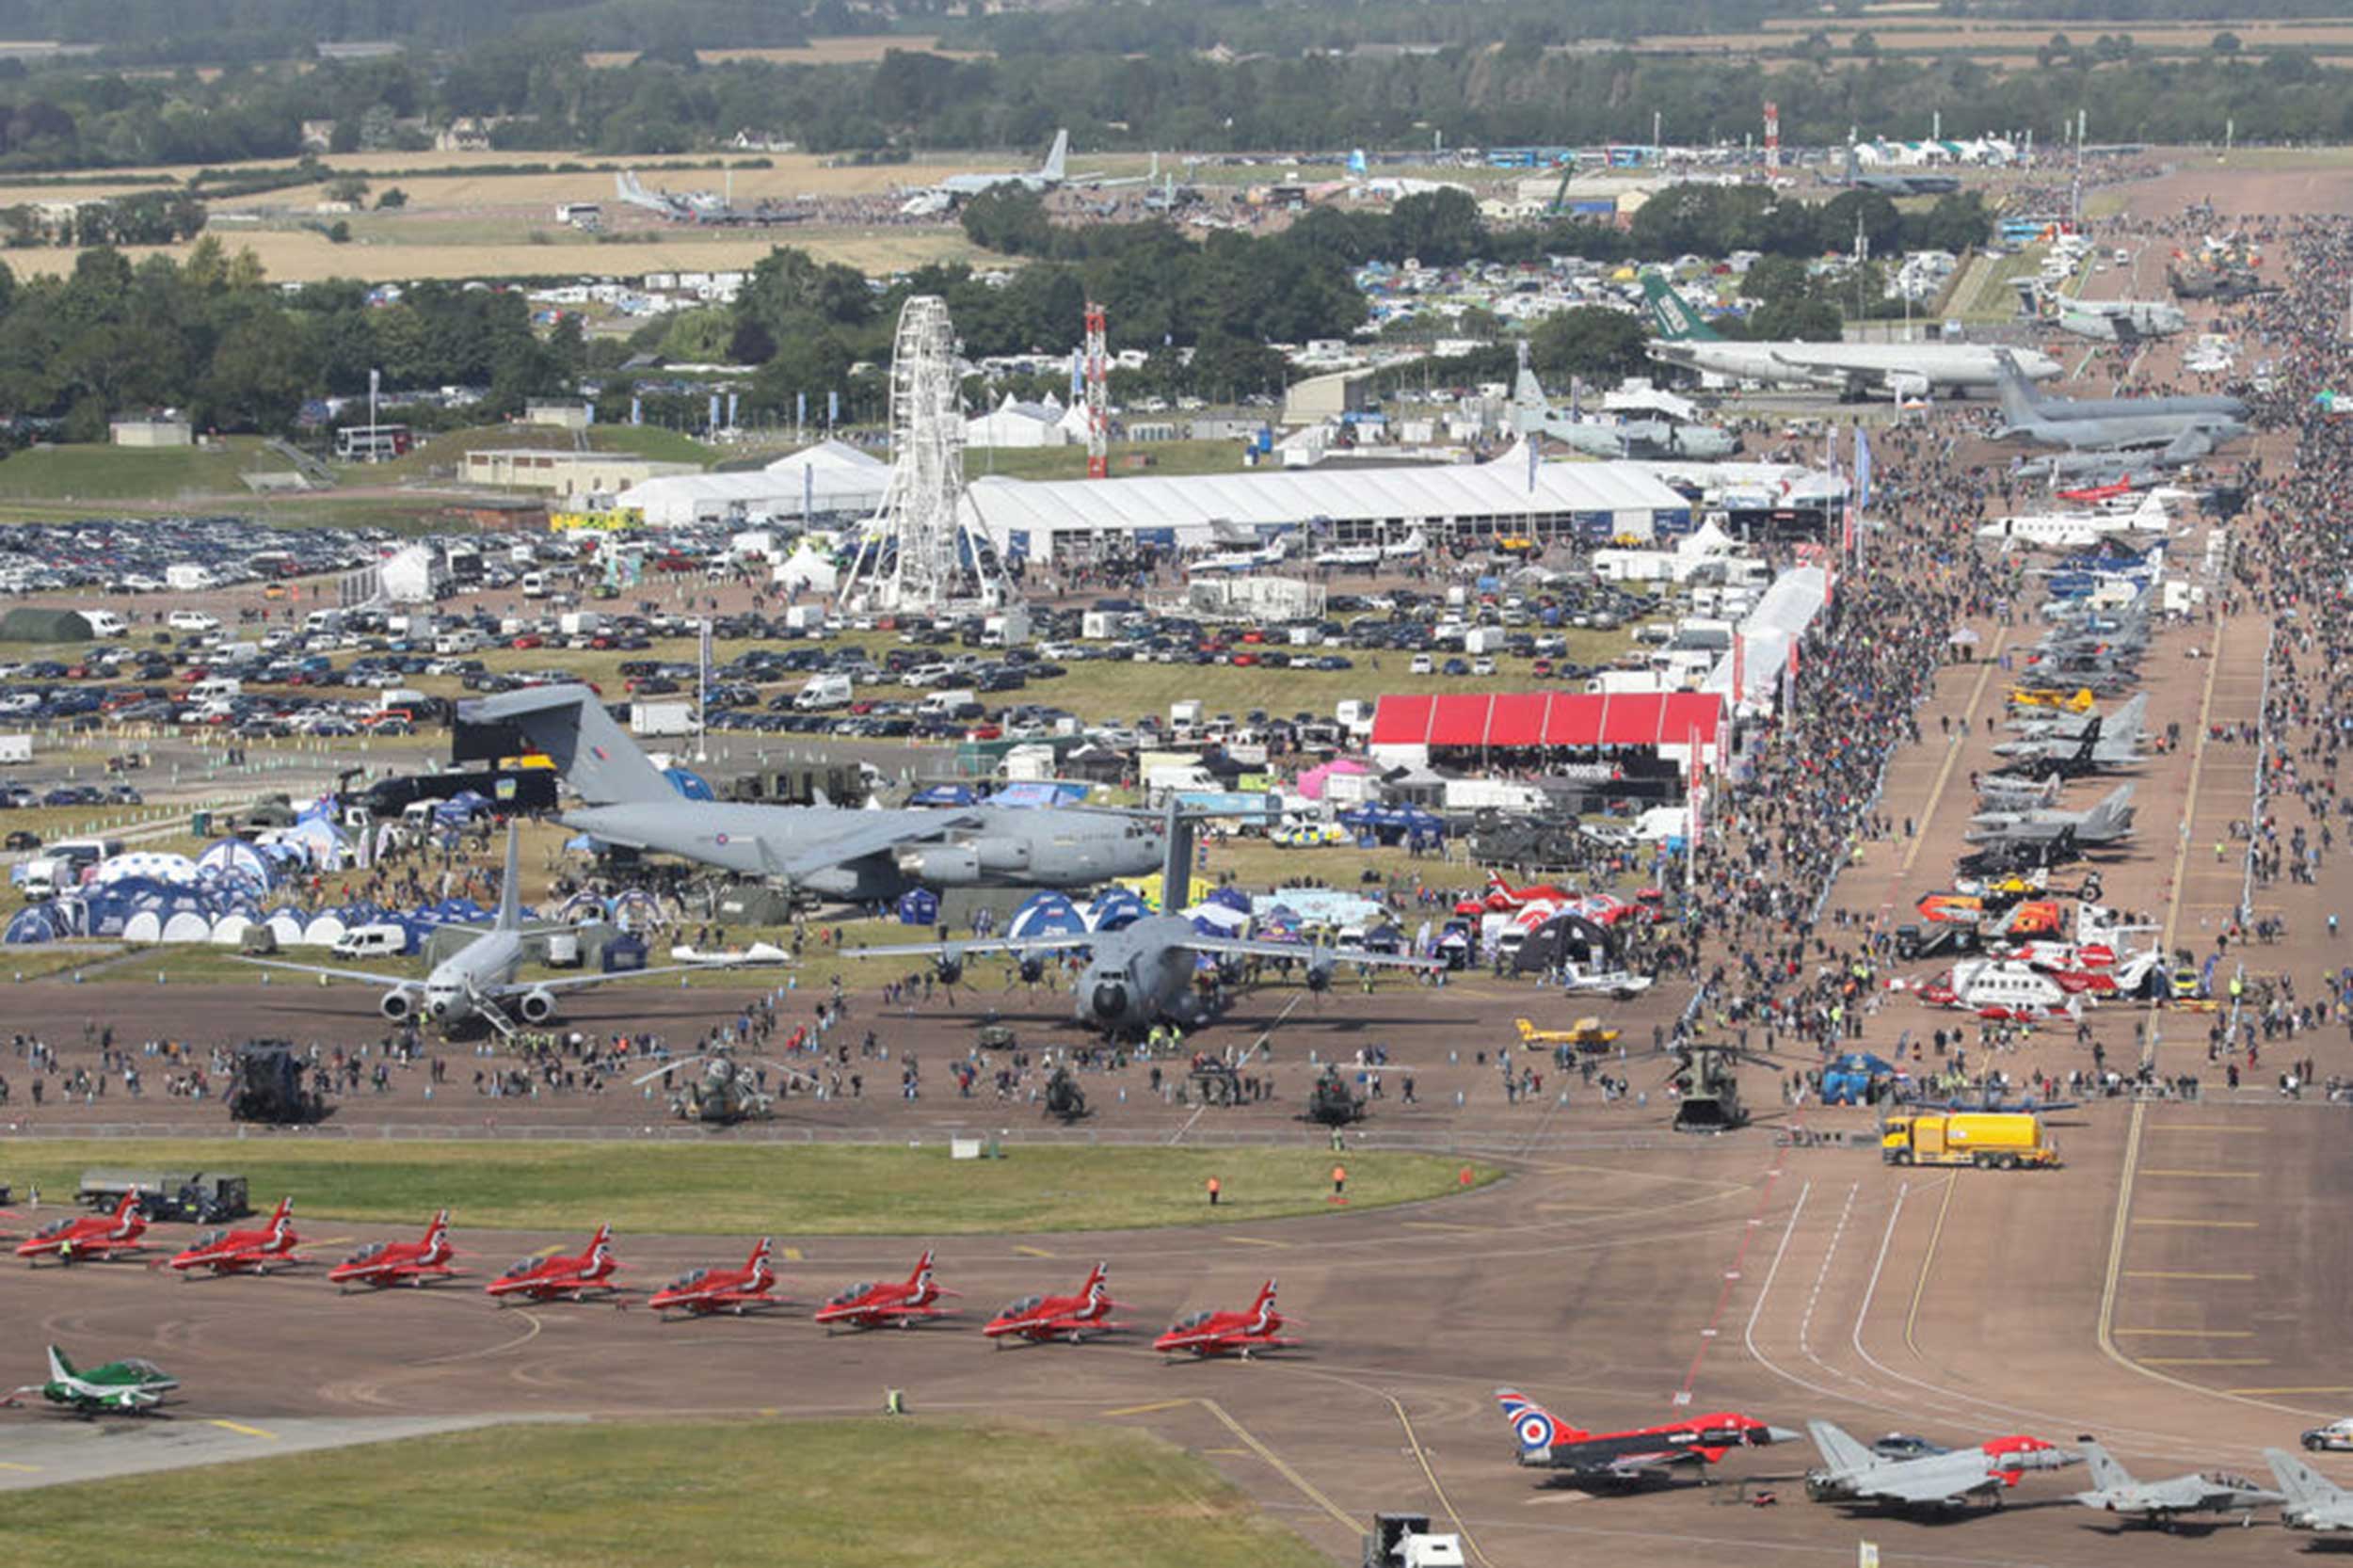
(2205, 1175)
(1148, 1409)
(2168, 1273)
(792, 1254)
(1306, 1488)
(2323, 1388)
(1228, 1454)
(2206, 1361)
(2190, 822)
(549, 1250)
(1953, 751)
(1920, 1286)
(2200, 1224)
(1253, 1241)
(1033, 1252)
(1436, 1225)
(2194, 1333)
(21, 1469)
(249, 1432)
(2204, 1127)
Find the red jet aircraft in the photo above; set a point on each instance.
(384, 1263)
(89, 1234)
(709, 1290)
(548, 1279)
(1207, 1334)
(231, 1252)
(1629, 1458)
(1042, 1317)
(867, 1304)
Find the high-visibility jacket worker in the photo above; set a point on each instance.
(1214, 1190)
(1339, 1182)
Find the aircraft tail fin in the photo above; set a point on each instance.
(59, 1367)
(283, 1212)
(1673, 315)
(438, 1229)
(1839, 1450)
(922, 1268)
(759, 1254)
(2302, 1485)
(594, 753)
(1531, 1423)
(1266, 1297)
(1098, 1279)
(2018, 405)
(1176, 857)
(2132, 719)
(510, 915)
(1056, 155)
(2106, 1474)
(128, 1206)
(2111, 815)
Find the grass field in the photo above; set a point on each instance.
(84, 473)
(299, 256)
(849, 50)
(781, 1190)
(738, 1493)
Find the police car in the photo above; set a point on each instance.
(2335, 1435)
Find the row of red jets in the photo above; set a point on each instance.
(590, 1273)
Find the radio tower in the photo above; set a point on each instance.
(1099, 397)
(1772, 137)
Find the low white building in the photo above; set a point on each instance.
(831, 479)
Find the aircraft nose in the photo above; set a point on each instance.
(1781, 1434)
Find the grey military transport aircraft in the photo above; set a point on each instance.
(1139, 974)
(838, 852)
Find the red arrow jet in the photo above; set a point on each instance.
(1629, 1458)
(709, 1290)
(1207, 1334)
(386, 1263)
(868, 1305)
(548, 1279)
(1071, 1318)
(89, 1236)
(231, 1252)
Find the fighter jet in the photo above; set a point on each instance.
(2117, 468)
(2123, 725)
(832, 851)
(2108, 821)
(2198, 434)
(2160, 1502)
(2095, 750)
(2310, 1500)
(477, 981)
(1142, 973)
(1644, 438)
(1852, 1474)
(2001, 791)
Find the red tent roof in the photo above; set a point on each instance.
(1549, 718)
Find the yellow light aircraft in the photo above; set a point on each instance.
(2055, 697)
(1586, 1033)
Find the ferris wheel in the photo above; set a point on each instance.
(923, 551)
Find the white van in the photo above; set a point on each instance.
(824, 690)
(104, 623)
(535, 584)
(940, 704)
(215, 689)
(467, 641)
(193, 620)
(372, 941)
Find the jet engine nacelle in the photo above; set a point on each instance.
(399, 1004)
(943, 865)
(537, 1007)
(1905, 387)
(1320, 975)
(948, 970)
(1032, 970)
(999, 854)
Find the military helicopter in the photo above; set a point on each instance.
(726, 1092)
(1707, 1089)
(1332, 1102)
(1064, 1097)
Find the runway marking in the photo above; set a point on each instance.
(1952, 755)
(2181, 855)
(249, 1432)
(1412, 1441)
(1306, 1488)
(2204, 1175)
(1033, 1252)
(2206, 1126)
(1228, 1454)
(1253, 1241)
(2200, 1224)
(2324, 1388)
(20, 1469)
(2194, 1333)
(792, 1254)
(1927, 1260)
(2171, 1273)
(1437, 1224)
(1148, 1409)
(516, 1343)
(549, 1250)
(2206, 1361)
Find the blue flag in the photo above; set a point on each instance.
(1862, 469)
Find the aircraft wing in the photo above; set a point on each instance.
(1820, 365)
(337, 974)
(1242, 946)
(574, 982)
(889, 830)
(1944, 1486)
(965, 950)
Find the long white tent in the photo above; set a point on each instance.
(829, 480)
(1507, 497)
